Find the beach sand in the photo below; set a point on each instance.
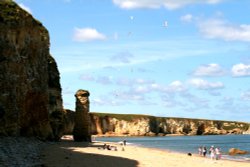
(68, 153)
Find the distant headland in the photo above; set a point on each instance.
(107, 124)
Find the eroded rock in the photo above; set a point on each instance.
(234, 151)
(81, 130)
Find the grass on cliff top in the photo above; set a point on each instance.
(129, 117)
(10, 12)
(6, 2)
(125, 117)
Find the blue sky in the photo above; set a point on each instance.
(157, 57)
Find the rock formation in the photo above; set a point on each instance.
(30, 97)
(235, 151)
(139, 125)
(81, 130)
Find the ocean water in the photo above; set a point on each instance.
(186, 144)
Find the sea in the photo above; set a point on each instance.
(190, 144)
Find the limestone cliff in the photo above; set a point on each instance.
(30, 97)
(248, 131)
(142, 125)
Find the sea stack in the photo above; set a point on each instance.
(81, 130)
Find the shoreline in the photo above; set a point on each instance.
(193, 154)
(72, 154)
(183, 153)
(225, 156)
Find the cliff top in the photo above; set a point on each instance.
(12, 15)
(130, 117)
(126, 117)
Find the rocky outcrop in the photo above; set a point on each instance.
(235, 151)
(81, 131)
(30, 97)
(139, 125)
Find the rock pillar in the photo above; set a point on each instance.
(81, 130)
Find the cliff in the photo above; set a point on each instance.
(30, 97)
(143, 125)
(247, 132)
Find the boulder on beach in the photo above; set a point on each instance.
(234, 151)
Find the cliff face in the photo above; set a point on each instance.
(56, 112)
(29, 80)
(248, 131)
(110, 125)
(136, 125)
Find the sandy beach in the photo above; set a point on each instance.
(73, 154)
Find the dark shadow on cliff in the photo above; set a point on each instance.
(67, 154)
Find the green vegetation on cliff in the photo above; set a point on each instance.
(11, 13)
(125, 117)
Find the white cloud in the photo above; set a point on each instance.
(187, 18)
(141, 81)
(98, 101)
(169, 4)
(25, 7)
(241, 70)
(176, 86)
(102, 101)
(129, 96)
(87, 34)
(216, 28)
(141, 89)
(205, 85)
(155, 86)
(173, 87)
(209, 70)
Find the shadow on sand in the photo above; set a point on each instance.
(68, 154)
